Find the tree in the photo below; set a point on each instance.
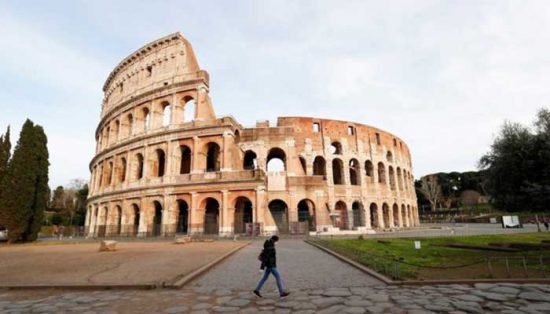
(431, 189)
(5, 153)
(517, 166)
(58, 198)
(25, 185)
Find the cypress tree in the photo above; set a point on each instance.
(41, 189)
(5, 151)
(24, 194)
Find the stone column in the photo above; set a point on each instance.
(226, 157)
(195, 226)
(195, 168)
(225, 228)
(260, 206)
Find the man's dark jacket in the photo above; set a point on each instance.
(269, 258)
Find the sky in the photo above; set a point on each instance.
(441, 75)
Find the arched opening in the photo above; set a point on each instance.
(303, 164)
(306, 213)
(392, 178)
(337, 171)
(354, 172)
(279, 212)
(161, 161)
(139, 166)
(336, 148)
(358, 214)
(118, 220)
(211, 216)
(96, 222)
(146, 119)
(185, 163)
(374, 215)
(342, 218)
(249, 162)
(320, 167)
(122, 174)
(369, 171)
(389, 156)
(130, 122)
(102, 228)
(116, 131)
(404, 216)
(110, 173)
(276, 160)
(395, 215)
(212, 157)
(381, 173)
(157, 219)
(135, 224)
(237, 136)
(189, 109)
(399, 179)
(386, 215)
(166, 114)
(183, 217)
(243, 214)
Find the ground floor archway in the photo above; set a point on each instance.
(211, 216)
(182, 224)
(306, 214)
(243, 214)
(279, 212)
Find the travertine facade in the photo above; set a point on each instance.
(166, 164)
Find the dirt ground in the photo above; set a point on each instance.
(134, 263)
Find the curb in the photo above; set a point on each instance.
(198, 272)
(389, 281)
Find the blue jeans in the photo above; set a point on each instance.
(277, 278)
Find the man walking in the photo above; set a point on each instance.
(269, 262)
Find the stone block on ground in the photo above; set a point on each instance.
(182, 240)
(107, 246)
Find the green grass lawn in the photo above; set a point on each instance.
(435, 261)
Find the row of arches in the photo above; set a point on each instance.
(336, 149)
(158, 115)
(110, 173)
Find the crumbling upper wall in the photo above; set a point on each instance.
(163, 62)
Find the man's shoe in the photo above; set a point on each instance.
(284, 294)
(256, 292)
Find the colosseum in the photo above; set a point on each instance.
(165, 164)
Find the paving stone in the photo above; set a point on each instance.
(332, 309)
(355, 310)
(287, 304)
(360, 290)
(469, 298)
(420, 312)
(484, 286)
(337, 293)
(200, 312)
(222, 292)
(469, 307)
(493, 296)
(505, 290)
(282, 311)
(358, 303)
(265, 302)
(439, 308)
(545, 307)
(222, 300)
(378, 297)
(238, 302)
(324, 302)
(535, 296)
(304, 312)
(177, 309)
(203, 297)
(202, 306)
(225, 309)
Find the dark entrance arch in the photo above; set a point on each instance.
(211, 216)
(243, 214)
(279, 211)
(157, 219)
(136, 219)
(386, 215)
(374, 215)
(342, 210)
(358, 214)
(306, 213)
(183, 217)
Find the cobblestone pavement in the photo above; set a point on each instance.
(301, 265)
(481, 298)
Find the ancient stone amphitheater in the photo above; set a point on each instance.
(165, 164)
